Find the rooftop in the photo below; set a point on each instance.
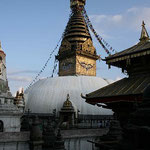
(124, 87)
(140, 49)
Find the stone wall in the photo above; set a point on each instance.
(83, 133)
(14, 140)
(78, 139)
(11, 124)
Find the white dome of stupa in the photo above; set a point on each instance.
(50, 93)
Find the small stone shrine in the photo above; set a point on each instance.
(10, 114)
(67, 113)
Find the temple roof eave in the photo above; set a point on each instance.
(120, 90)
(114, 99)
(140, 50)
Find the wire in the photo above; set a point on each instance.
(102, 42)
(45, 65)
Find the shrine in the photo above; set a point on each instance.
(10, 114)
(126, 94)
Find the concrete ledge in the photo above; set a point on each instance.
(14, 136)
(81, 133)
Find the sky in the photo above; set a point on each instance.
(31, 29)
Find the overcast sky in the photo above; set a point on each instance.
(30, 30)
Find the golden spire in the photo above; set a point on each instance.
(77, 46)
(67, 103)
(77, 29)
(144, 34)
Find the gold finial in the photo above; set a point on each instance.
(77, 3)
(143, 24)
(144, 34)
(68, 97)
(67, 103)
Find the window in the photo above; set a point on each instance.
(1, 126)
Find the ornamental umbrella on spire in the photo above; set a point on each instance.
(75, 3)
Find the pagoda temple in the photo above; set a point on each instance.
(124, 95)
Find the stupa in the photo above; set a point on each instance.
(77, 71)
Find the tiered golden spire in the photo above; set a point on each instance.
(77, 29)
(77, 55)
(144, 34)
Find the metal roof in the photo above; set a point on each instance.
(140, 49)
(127, 86)
(137, 50)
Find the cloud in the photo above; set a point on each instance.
(97, 18)
(20, 78)
(22, 72)
(136, 15)
(109, 18)
(117, 18)
(130, 19)
(20, 75)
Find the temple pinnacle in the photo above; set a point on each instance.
(144, 33)
(77, 3)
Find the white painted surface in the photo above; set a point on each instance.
(10, 114)
(3, 75)
(48, 94)
(11, 123)
(79, 144)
